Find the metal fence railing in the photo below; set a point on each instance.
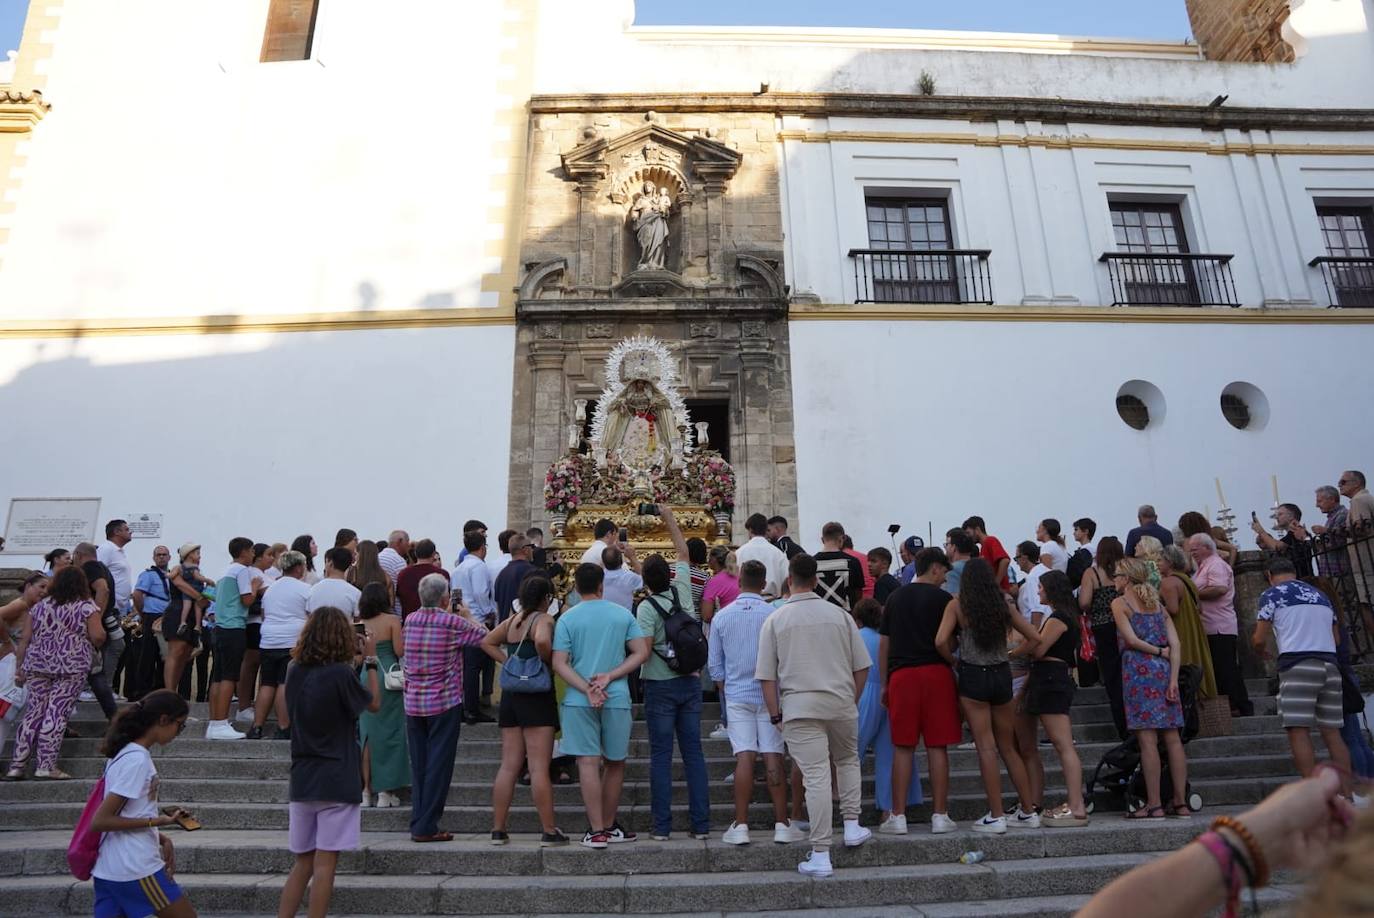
(925, 276)
(1172, 279)
(1346, 559)
(1349, 281)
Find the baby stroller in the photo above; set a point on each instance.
(1119, 773)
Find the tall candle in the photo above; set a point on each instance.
(1221, 497)
(1274, 480)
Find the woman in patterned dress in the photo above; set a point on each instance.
(54, 658)
(1149, 675)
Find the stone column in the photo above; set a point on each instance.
(548, 426)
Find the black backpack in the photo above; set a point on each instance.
(685, 640)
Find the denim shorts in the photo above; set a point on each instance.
(988, 684)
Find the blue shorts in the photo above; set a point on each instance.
(596, 731)
(135, 898)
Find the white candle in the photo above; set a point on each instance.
(1221, 497)
(1274, 480)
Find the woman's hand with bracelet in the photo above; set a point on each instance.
(1298, 824)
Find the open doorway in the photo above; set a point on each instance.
(716, 414)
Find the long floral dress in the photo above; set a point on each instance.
(1145, 678)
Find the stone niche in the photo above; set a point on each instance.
(663, 225)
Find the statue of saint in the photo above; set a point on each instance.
(650, 215)
(640, 426)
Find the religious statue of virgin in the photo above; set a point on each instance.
(650, 216)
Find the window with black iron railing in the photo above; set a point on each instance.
(1349, 280)
(924, 276)
(1170, 279)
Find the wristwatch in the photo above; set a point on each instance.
(370, 663)
(775, 719)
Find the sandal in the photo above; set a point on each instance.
(1180, 811)
(1063, 818)
(14, 774)
(1147, 813)
(436, 837)
(52, 774)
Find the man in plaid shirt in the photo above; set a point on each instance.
(434, 639)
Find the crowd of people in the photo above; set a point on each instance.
(370, 664)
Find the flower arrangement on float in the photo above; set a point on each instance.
(563, 485)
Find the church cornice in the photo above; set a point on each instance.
(20, 110)
(967, 108)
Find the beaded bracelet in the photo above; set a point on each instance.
(1230, 873)
(1258, 862)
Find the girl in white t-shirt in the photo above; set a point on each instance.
(133, 872)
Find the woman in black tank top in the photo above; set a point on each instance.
(1048, 697)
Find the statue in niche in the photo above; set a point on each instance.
(650, 215)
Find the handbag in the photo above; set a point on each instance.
(394, 680)
(1352, 701)
(525, 675)
(1087, 643)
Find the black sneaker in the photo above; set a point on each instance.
(499, 838)
(254, 733)
(618, 834)
(554, 839)
(282, 733)
(591, 839)
(478, 718)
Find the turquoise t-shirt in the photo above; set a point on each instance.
(229, 609)
(593, 634)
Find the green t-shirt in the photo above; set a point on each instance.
(230, 611)
(652, 622)
(593, 635)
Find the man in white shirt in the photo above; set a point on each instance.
(605, 534)
(393, 559)
(111, 554)
(758, 548)
(334, 590)
(622, 576)
(1033, 563)
(498, 564)
(284, 610)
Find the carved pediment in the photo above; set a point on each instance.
(684, 158)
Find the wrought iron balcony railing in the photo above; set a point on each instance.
(1170, 279)
(1349, 280)
(924, 276)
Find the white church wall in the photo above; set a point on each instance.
(277, 434)
(1044, 212)
(1337, 70)
(916, 421)
(178, 176)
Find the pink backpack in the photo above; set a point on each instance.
(85, 843)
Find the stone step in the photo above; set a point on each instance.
(218, 851)
(258, 893)
(464, 792)
(477, 744)
(477, 817)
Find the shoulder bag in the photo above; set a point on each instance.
(525, 675)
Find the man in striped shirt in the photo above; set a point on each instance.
(434, 640)
(393, 559)
(734, 653)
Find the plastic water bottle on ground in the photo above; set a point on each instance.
(972, 857)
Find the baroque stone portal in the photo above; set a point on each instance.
(663, 226)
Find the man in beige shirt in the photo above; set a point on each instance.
(810, 651)
(1359, 521)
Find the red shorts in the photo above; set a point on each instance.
(922, 702)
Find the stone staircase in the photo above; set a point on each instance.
(237, 864)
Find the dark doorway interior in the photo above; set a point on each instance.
(716, 414)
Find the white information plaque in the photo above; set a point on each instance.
(37, 525)
(145, 525)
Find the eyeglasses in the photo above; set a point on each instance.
(181, 725)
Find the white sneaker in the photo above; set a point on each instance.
(802, 825)
(1023, 820)
(736, 835)
(817, 864)
(387, 800)
(784, 834)
(86, 696)
(245, 714)
(941, 824)
(120, 698)
(730, 778)
(969, 745)
(991, 826)
(720, 732)
(893, 825)
(367, 799)
(1360, 802)
(220, 730)
(855, 834)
